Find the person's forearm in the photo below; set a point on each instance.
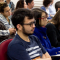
(44, 59)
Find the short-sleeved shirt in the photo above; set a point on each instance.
(19, 49)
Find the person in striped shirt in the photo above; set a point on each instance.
(4, 18)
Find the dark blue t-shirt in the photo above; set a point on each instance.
(19, 49)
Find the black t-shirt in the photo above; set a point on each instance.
(53, 35)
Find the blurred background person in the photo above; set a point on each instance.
(52, 9)
(30, 4)
(57, 6)
(10, 4)
(21, 4)
(45, 7)
(4, 18)
(53, 30)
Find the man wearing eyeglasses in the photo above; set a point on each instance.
(25, 46)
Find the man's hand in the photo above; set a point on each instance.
(44, 59)
(12, 30)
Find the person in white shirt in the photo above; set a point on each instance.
(52, 9)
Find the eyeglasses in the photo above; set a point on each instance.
(31, 24)
(43, 18)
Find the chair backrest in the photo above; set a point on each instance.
(3, 49)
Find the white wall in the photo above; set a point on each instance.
(55, 1)
(14, 1)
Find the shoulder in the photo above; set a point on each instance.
(16, 41)
(34, 38)
(43, 7)
(11, 2)
(50, 25)
(2, 19)
(1, 16)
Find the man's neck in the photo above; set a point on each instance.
(23, 36)
(29, 7)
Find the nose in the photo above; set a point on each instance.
(34, 25)
(46, 19)
(10, 12)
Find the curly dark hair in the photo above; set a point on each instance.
(2, 6)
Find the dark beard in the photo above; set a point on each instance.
(25, 33)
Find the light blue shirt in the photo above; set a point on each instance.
(52, 10)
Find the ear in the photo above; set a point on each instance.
(58, 8)
(19, 27)
(2, 13)
(28, 3)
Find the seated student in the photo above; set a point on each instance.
(40, 31)
(57, 6)
(21, 4)
(25, 46)
(53, 30)
(30, 4)
(4, 18)
(45, 7)
(10, 4)
(52, 9)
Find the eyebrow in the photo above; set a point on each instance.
(43, 16)
(33, 21)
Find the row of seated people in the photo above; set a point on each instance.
(45, 37)
(5, 17)
(40, 31)
(49, 8)
(19, 47)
